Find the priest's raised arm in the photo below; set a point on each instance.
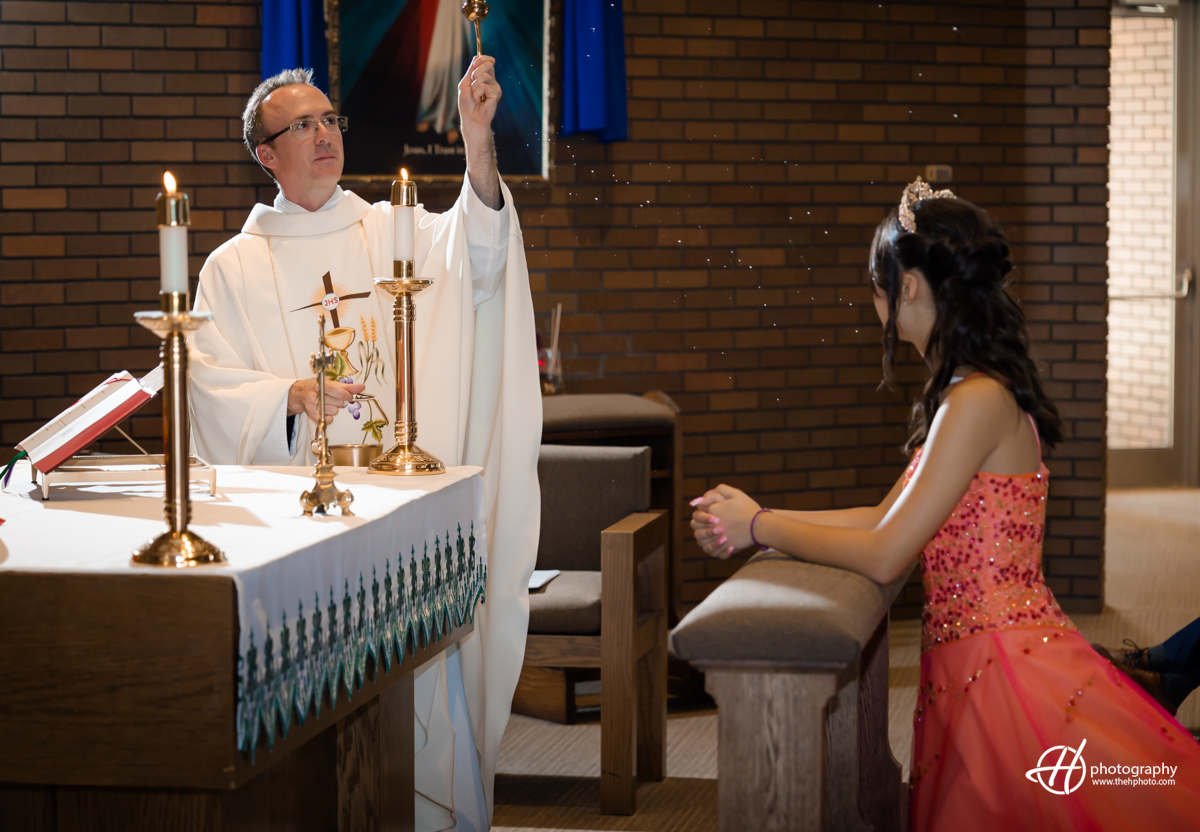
(317, 250)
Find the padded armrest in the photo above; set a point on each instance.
(779, 610)
(602, 411)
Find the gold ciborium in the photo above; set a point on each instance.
(324, 493)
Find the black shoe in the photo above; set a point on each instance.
(1135, 657)
(1147, 680)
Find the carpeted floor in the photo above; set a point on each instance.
(547, 774)
(548, 778)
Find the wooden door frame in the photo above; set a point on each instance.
(1179, 464)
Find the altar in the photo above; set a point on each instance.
(271, 692)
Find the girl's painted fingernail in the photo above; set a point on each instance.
(729, 551)
(719, 529)
(722, 539)
(712, 521)
(696, 501)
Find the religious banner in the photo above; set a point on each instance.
(396, 70)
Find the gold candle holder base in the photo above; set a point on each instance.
(179, 549)
(405, 458)
(407, 461)
(177, 546)
(324, 493)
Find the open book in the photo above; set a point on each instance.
(90, 418)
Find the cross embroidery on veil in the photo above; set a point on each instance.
(330, 300)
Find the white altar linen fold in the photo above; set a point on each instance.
(316, 596)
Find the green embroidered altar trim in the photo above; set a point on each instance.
(330, 649)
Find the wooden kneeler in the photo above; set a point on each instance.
(796, 656)
(631, 652)
(806, 748)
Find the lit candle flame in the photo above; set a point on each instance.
(404, 173)
(169, 182)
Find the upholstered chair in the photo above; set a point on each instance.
(608, 607)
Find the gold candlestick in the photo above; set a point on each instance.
(405, 458)
(178, 546)
(324, 493)
(475, 11)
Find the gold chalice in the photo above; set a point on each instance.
(339, 340)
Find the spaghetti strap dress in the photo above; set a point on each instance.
(1020, 724)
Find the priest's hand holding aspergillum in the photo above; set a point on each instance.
(478, 96)
(303, 397)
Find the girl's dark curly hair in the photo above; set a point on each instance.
(963, 254)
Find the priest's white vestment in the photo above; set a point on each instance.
(477, 394)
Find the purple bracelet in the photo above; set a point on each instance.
(760, 546)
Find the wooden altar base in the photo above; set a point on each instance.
(117, 715)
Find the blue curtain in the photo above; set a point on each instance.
(293, 35)
(594, 70)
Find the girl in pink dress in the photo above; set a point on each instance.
(1019, 725)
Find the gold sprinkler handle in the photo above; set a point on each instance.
(319, 362)
(475, 11)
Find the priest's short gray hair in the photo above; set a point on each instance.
(253, 131)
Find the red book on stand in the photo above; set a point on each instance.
(119, 396)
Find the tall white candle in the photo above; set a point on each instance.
(172, 239)
(404, 213)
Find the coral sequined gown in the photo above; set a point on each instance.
(1005, 676)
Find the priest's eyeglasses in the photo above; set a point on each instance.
(307, 127)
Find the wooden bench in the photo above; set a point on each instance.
(796, 656)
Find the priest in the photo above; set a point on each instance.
(316, 251)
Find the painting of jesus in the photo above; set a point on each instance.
(400, 62)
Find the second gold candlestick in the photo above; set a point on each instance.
(405, 458)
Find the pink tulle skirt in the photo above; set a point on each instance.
(992, 705)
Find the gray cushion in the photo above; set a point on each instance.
(776, 609)
(568, 605)
(584, 491)
(602, 411)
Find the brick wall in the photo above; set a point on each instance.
(96, 100)
(718, 255)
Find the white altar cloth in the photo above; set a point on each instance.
(316, 596)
